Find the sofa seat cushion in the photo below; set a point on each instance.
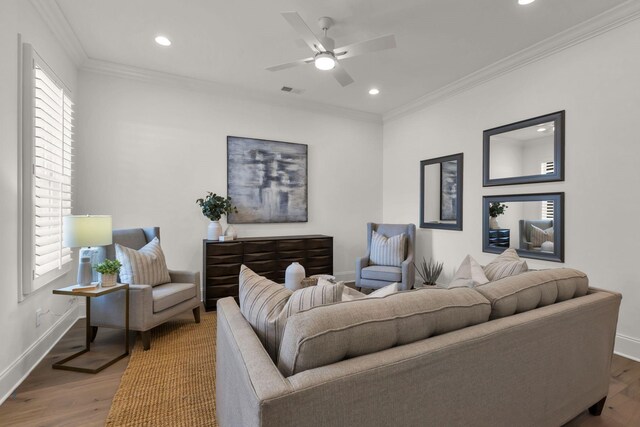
(170, 294)
(328, 334)
(382, 272)
(533, 289)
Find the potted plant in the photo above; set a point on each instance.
(213, 207)
(108, 270)
(495, 209)
(429, 271)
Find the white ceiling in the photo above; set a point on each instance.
(232, 41)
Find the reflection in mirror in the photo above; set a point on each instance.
(441, 192)
(529, 223)
(527, 151)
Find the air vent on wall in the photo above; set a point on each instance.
(291, 90)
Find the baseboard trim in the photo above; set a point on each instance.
(628, 347)
(12, 376)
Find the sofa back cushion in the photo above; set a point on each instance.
(533, 289)
(328, 334)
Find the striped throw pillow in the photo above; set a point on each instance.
(266, 305)
(387, 251)
(507, 264)
(146, 266)
(539, 236)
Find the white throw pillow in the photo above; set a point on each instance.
(468, 275)
(507, 264)
(146, 266)
(387, 251)
(539, 236)
(384, 291)
(266, 305)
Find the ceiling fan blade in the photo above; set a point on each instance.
(303, 29)
(341, 75)
(291, 64)
(373, 45)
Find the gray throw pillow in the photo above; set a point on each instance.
(387, 251)
(507, 264)
(146, 266)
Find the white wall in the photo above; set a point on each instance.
(22, 343)
(597, 83)
(147, 151)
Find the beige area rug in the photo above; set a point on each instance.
(172, 384)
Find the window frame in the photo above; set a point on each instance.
(29, 284)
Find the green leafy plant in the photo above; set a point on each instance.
(429, 271)
(497, 208)
(214, 206)
(109, 266)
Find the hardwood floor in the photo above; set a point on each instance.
(51, 397)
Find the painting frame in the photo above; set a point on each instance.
(267, 181)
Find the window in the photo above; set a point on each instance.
(547, 206)
(546, 168)
(47, 142)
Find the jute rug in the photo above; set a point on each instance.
(172, 384)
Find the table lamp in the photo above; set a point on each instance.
(85, 231)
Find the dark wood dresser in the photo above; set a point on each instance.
(267, 256)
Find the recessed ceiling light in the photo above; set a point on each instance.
(524, 2)
(374, 91)
(163, 41)
(542, 129)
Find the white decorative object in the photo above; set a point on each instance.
(214, 230)
(293, 276)
(493, 223)
(108, 280)
(231, 232)
(225, 238)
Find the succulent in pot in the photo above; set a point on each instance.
(108, 269)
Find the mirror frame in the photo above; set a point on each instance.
(459, 175)
(558, 224)
(558, 151)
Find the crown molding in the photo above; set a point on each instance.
(599, 24)
(220, 89)
(52, 15)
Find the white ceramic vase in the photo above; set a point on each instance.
(293, 276)
(493, 223)
(107, 280)
(214, 230)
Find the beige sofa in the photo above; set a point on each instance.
(531, 350)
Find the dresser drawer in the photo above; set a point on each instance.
(284, 263)
(319, 243)
(311, 253)
(222, 291)
(260, 256)
(262, 267)
(261, 246)
(292, 254)
(318, 261)
(327, 269)
(224, 259)
(291, 245)
(222, 248)
(223, 269)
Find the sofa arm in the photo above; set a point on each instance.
(361, 263)
(180, 276)
(408, 274)
(245, 374)
(108, 310)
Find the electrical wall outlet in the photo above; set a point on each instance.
(38, 316)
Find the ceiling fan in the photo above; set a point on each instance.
(326, 55)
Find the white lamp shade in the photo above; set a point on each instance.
(86, 230)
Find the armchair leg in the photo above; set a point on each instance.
(196, 314)
(94, 332)
(146, 339)
(596, 409)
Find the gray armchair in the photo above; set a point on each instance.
(525, 232)
(378, 276)
(149, 306)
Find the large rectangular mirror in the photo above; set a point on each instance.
(524, 152)
(441, 192)
(531, 223)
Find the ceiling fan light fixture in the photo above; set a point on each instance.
(325, 61)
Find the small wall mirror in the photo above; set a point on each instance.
(531, 223)
(525, 152)
(441, 192)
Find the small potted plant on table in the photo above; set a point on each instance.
(108, 270)
(213, 207)
(429, 271)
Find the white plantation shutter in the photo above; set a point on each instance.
(547, 206)
(47, 158)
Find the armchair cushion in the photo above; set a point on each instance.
(387, 250)
(383, 273)
(170, 294)
(146, 266)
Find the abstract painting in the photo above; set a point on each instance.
(266, 180)
(448, 190)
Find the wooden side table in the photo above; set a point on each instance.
(88, 294)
